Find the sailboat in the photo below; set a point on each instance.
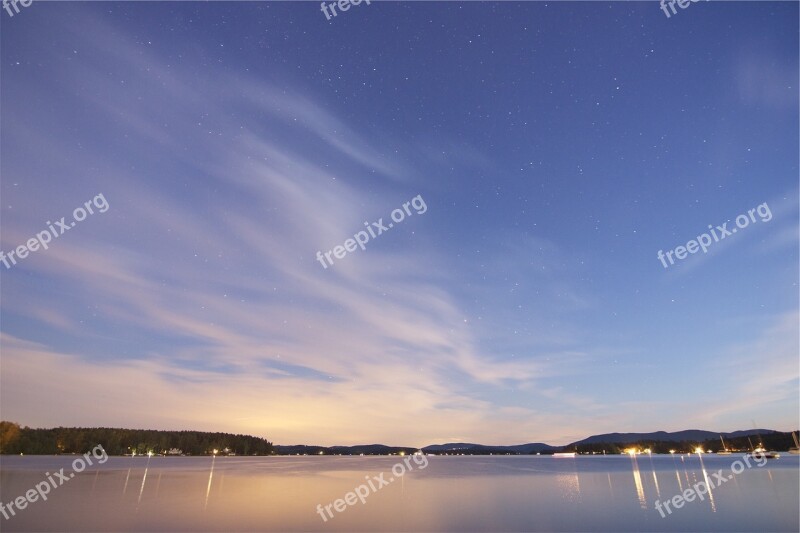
(796, 449)
(724, 450)
(760, 451)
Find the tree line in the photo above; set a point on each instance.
(117, 441)
(778, 441)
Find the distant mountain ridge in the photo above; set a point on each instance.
(533, 447)
(382, 449)
(695, 436)
(366, 449)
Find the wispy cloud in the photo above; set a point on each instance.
(233, 312)
(196, 301)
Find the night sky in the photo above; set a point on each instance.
(557, 147)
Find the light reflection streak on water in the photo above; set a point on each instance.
(210, 475)
(708, 485)
(141, 489)
(570, 486)
(637, 479)
(685, 472)
(677, 474)
(125, 488)
(655, 479)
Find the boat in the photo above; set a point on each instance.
(564, 454)
(724, 450)
(760, 452)
(796, 449)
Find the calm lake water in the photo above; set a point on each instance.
(497, 493)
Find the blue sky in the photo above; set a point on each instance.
(557, 146)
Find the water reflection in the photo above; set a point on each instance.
(637, 479)
(144, 478)
(708, 485)
(125, 488)
(570, 486)
(210, 475)
(451, 494)
(655, 478)
(677, 474)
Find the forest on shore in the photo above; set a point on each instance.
(15, 439)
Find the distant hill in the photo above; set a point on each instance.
(480, 449)
(299, 449)
(366, 449)
(693, 435)
(382, 449)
